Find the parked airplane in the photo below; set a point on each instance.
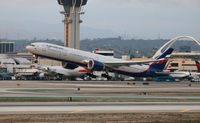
(180, 75)
(95, 62)
(59, 72)
(186, 74)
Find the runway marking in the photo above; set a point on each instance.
(76, 111)
(185, 110)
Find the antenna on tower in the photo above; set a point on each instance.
(74, 4)
(81, 6)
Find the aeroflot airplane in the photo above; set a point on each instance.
(96, 62)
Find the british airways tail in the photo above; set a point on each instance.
(160, 65)
(198, 65)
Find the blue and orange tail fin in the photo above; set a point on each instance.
(163, 59)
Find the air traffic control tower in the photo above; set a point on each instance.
(72, 12)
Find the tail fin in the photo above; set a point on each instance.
(198, 65)
(160, 65)
(166, 54)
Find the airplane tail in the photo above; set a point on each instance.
(166, 54)
(163, 59)
(198, 65)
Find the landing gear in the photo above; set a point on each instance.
(35, 59)
(106, 75)
(91, 75)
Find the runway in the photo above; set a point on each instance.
(99, 108)
(98, 96)
(97, 91)
(94, 101)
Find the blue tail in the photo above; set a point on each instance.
(166, 53)
(160, 65)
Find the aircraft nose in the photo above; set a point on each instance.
(29, 48)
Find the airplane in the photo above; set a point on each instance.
(196, 77)
(180, 75)
(186, 74)
(96, 62)
(61, 73)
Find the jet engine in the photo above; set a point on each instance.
(95, 65)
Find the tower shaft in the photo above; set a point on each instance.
(72, 12)
(72, 28)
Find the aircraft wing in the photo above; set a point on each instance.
(127, 63)
(166, 54)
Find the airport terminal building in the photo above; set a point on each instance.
(7, 47)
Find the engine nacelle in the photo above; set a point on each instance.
(69, 65)
(95, 65)
(41, 75)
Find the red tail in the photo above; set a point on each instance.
(198, 65)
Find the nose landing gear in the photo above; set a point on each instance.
(35, 59)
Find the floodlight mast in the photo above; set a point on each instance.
(72, 12)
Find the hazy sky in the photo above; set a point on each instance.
(103, 18)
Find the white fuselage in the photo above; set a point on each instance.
(183, 74)
(66, 54)
(180, 74)
(77, 72)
